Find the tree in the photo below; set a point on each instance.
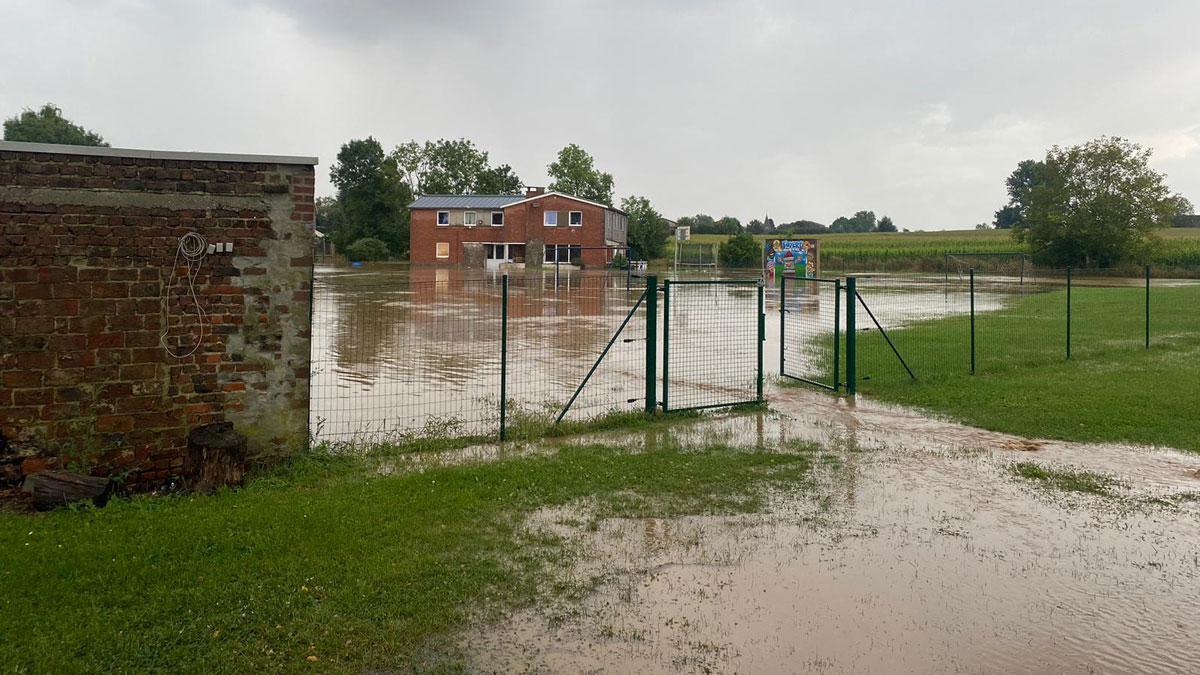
(1096, 204)
(373, 197)
(861, 221)
(329, 214)
(367, 248)
(647, 229)
(886, 225)
(452, 167)
(740, 250)
(728, 225)
(575, 173)
(48, 126)
(1020, 185)
(1007, 217)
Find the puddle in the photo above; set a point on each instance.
(918, 551)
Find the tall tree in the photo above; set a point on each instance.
(1095, 204)
(647, 230)
(453, 167)
(373, 197)
(48, 126)
(1020, 185)
(1006, 217)
(886, 225)
(574, 172)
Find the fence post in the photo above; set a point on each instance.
(782, 321)
(762, 336)
(1068, 312)
(837, 334)
(666, 389)
(851, 334)
(503, 357)
(1147, 307)
(651, 344)
(972, 320)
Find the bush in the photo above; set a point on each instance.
(619, 262)
(368, 248)
(740, 250)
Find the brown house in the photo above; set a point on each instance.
(490, 230)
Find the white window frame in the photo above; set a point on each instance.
(470, 222)
(571, 213)
(439, 219)
(437, 250)
(497, 213)
(546, 219)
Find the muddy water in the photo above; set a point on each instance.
(917, 551)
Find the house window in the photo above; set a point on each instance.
(550, 219)
(497, 218)
(469, 219)
(443, 249)
(575, 219)
(564, 253)
(443, 217)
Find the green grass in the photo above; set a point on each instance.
(1066, 480)
(925, 251)
(327, 559)
(1112, 389)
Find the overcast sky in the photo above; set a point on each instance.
(797, 109)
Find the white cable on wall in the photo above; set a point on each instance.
(192, 248)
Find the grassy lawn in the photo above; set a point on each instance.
(1112, 389)
(328, 565)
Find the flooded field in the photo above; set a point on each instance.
(919, 550)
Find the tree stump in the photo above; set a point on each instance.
(52, 489)
(216, 457)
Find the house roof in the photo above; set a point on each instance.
(464, 201)
(492, 201)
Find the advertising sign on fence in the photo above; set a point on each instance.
(790, 257)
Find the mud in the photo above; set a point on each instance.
(918, 551)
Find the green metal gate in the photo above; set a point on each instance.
(713, 332)
(810, 333)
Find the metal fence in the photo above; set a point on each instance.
(927, 327)
(712, 343)
(397, 359)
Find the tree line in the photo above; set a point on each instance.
(369, 216)
(861, 221)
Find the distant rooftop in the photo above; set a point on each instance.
(465, 201)
(93, 151)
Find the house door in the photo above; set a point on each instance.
(497, 254)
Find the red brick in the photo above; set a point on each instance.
(24, 378)
(114, 423)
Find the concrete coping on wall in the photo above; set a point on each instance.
(93, 151)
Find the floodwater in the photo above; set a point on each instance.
(917, 548)
(398, 351)
(917, 551)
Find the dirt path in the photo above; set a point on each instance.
(918, 551)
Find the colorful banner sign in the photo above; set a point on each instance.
(785, 256)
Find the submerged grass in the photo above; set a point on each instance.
(323, 565)
(1066, 480)
(1112, 389)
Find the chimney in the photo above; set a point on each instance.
(532, 191)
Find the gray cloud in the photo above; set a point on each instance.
(799, 109)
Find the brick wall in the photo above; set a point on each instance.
(87, 246)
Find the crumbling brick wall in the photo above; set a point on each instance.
(89, 240)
